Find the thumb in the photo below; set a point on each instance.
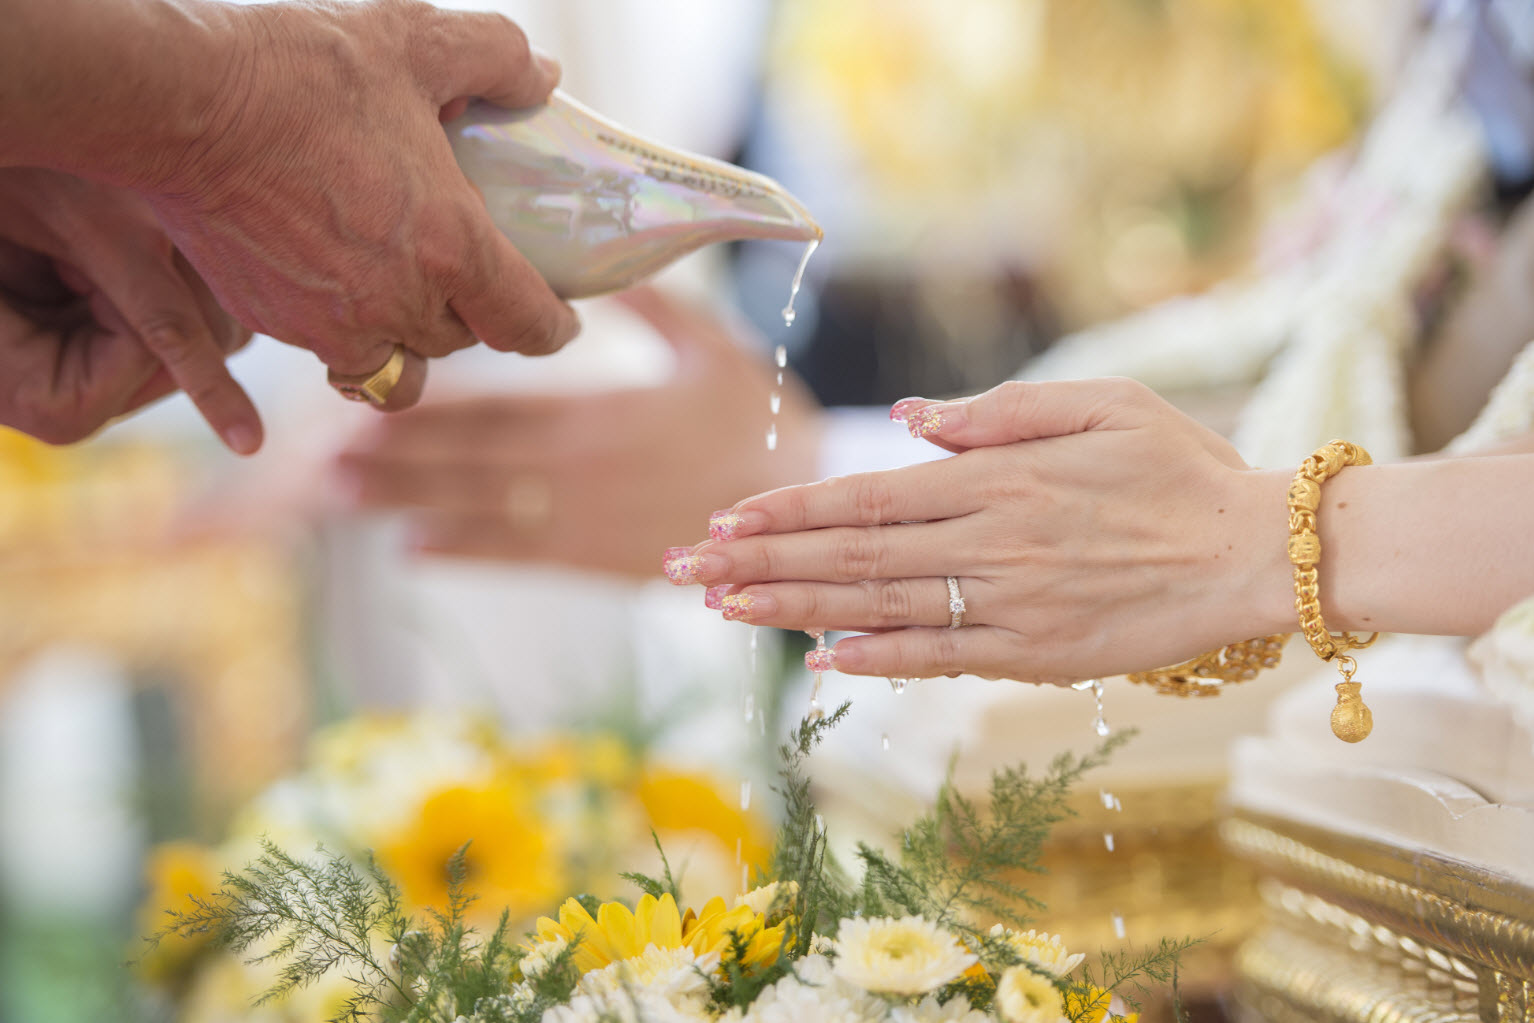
(486, 55)
(1018, 411)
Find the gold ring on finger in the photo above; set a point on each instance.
(374, 387)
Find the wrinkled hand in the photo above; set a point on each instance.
(601, 480)
(1093, 529)
(99, 315)
(325, 207)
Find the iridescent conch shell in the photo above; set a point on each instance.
(596, 208)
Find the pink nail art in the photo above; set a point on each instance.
(724, 525)
(820, 660)
(903, 407)
(683, 570)
(672, 553)
(737, 606)
(925, 422)
(714, 597)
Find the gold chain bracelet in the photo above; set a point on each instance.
(1206, 674)
(1352, 721)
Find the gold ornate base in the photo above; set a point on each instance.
(1362, 932)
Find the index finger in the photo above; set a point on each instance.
(917, 493)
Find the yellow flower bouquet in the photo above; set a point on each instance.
(929, 934)
(527, 821)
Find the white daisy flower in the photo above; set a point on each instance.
(1046, 951)
(910, 956)
(812, 994)
(1023, 996)
(679, 976)
(542, 955)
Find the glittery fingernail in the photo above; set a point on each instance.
(672, 553)
(821, 660)
(925, 421)
(741, 605)
(684, 570)
(902, 408)
(713, 597)
(724, 525)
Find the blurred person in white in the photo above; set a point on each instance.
(176, 173)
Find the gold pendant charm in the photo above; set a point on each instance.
(1352, 721)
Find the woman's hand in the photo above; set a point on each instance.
(1093, 530)
(100, 314)
(598, 481)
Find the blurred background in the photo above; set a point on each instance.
(195, 649)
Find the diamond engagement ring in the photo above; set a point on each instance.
(373, 387)
(956, 606)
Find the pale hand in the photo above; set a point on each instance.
(1093, 529)
(596, 481)
(99, 315)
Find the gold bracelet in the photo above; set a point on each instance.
(1206, 674)
(1351, 719)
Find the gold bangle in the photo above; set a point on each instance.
(1352, 721)
(1206, 674)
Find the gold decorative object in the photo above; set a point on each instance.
(1357, 931)
(1351, 719)
(375, 387)
(1205, 674)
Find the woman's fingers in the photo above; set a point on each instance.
(926, 653)
(871, 606)
(385, 481)
(917, 493)
(846, 554)
(1019, 410)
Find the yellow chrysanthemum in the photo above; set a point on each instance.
(510, 863)
(678, 802)
(617, 933)
(176, 872)
(1092, 1006)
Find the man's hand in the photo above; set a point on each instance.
(99, 315)
(324, 206)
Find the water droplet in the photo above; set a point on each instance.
(772, 437)
(1118, 925)
(780, 356)
(899, 684)
(750, 707)
(751, 648)
(1110, 801)
(775, 402)
(745, 797)
(884, 740)
(793, 289)
(1107, 838)
(1100, 726)
(820, 825)
(1083, 685)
